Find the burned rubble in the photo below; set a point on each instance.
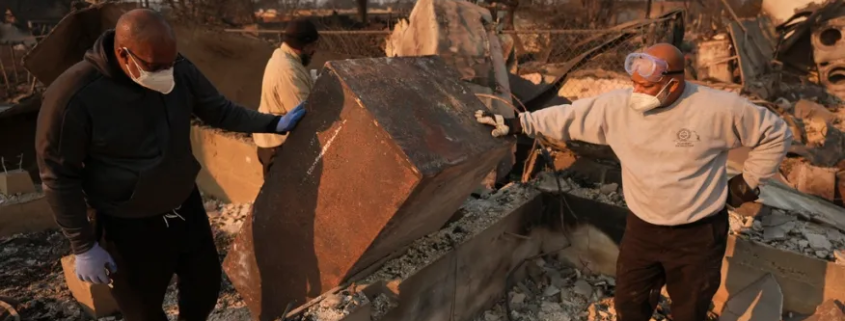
(787, 231)
(605, 193)
(475, 215)
(743, 57)
(335, 307)
(19, 198)
(554, 291)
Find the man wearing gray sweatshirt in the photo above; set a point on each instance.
(672, 139)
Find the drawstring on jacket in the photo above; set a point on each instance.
(172, 214)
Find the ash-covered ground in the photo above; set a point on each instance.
(32, 279)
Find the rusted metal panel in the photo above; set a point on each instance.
(388, 150)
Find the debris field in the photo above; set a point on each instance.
(787, 58)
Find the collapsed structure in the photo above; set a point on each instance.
(464, 35)
(371, 219)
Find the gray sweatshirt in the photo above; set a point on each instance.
(673, 158)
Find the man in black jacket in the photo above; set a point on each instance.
(114, 136)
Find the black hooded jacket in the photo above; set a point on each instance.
(123, 149)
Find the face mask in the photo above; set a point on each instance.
(644, 102)
(160, 81)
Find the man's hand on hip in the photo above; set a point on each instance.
(740, 193)
(503, 126)
(289, 120)
(91, 266)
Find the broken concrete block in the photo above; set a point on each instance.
(28, 213)
(803, 244)
(609, 188)
(775, 233)
(389, 151)
(551, 290)
(16, 182)
(777, 219)
(550, 307)
(517, 300)
(818, 241)
(96, 299)
(814, 180)
(779, 195)
(760, 301)
(583, 288)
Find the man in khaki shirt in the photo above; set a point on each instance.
(286, 82)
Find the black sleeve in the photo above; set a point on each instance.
(275, 123)
(217, 111)
(61, 143)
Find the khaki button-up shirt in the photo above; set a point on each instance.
(286, 83)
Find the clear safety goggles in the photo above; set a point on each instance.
(649, 67)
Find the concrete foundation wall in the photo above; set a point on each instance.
(25, 217)
(470, 278)
(231, 171)
(806, 282)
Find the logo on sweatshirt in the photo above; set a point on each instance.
(686, 138)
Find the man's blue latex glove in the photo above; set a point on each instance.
(91, 265)
(289, 120)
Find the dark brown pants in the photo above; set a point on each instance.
(149, 251)
(266, 156)
(687, 259)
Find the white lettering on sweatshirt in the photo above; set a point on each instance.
(674, 158)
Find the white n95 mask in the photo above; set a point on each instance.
(645, 102)
(161, 81)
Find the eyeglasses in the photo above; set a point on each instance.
(149, 66)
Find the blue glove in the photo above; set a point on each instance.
(91, 266)
(289, 120)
